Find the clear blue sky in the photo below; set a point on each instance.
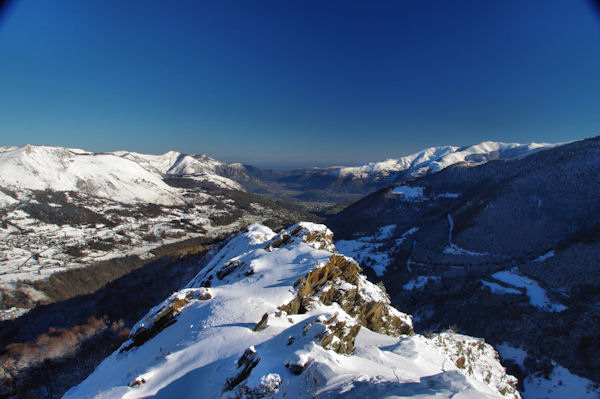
(297, 82)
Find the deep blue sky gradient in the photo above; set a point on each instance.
(297, 82)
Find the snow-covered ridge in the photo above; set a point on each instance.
(174, 163)
(199, 167)
(159, 164)
(284, 315)
(99, 175)
(434, 159)
(131, 177)
(121, 176)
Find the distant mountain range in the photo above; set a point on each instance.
(83, 200)
(508, 250)
(123, 177)
(434, 159)
(131, 178)
(339, 183)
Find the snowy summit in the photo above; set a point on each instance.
(284, 315)
(434, 159)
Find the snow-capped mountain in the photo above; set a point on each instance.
(159, 164)
(97, 175)
(173, 163)
(124, 177)
(337, 184)
(284, 315)
(506, 250)
(130, 177)
(434, 159)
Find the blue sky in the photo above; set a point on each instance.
(293, 83)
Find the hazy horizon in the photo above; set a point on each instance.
(265, 164)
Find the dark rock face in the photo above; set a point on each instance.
(246, 363)
(262, 324)
(475, 221)
(164, 316)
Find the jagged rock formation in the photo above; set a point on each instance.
(339, 282)
(287, 316)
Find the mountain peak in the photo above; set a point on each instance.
(285, 315)
(100, 175)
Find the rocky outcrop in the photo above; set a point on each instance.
(262, 324)
(163, 316)
(317, 236)
(339, 281)
(474, 356)
(245, 363)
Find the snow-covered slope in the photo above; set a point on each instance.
(189, 165)
(121, 176)
(199, 167)
(434, 159)
(98, 175)
(159, 164)
(64, 208)
(173, 162)
(285, 316)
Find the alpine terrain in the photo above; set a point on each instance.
(82, 234)
(508, 250)
(66, 208)
(285, 315)
(496, 240)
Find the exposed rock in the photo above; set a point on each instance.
(262, 324)
(137, 381)
(309, 287)
(234, 265)
(338, 335)
(227, 269)
(318, 236)
(473, 356)
(283, 238)
(339, 282)
(323, 239)
(247, 362)
(163, 316)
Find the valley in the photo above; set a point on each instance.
(40, 358)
